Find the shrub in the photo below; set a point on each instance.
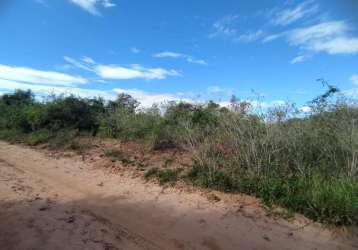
(125, 124)
(12, 135)
(308, 164)
(64, 138)
(70, 112)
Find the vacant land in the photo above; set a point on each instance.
(304, 162)
(61, 201)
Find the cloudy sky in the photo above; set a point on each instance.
(179, 50)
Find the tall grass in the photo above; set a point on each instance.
(307, 164)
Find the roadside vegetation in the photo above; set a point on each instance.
(307, 163)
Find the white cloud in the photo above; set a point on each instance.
(132, 72)
(256, 105)
(273, 37)
(225, 104)
(81, 65)
(224, 27)
(330, 37)
(354, 79)
(188, 58)
(29, 75)
(148, 99)
(50, 89)
(325, 30)
(299, 59)
(227, 27)
(338, 45)
(250, 36)
(145, 98)
(45, 82)
(169, 54)
(88, 60)
(290, 15)
(116, 72)
(87, 5)
(91, 6)
(196, 61)
(108, 4)
(305, 109)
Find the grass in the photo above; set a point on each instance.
(328, 200)
(11, 135)
(38, 137)
(65, 139)
(113, 154)
(117, 155)
(163, 175)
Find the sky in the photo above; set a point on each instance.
(156, 51)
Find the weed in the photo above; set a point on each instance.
(152, 172)
(163, 175)
(114, 154)
(38, 137)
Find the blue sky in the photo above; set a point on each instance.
(179, 50)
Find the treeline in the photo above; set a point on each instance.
(25, 118)
(306, 163)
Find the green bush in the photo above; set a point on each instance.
(70, 112)
(12, 135)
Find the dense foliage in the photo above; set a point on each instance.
(306, 163)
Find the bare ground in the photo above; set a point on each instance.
(68, 203)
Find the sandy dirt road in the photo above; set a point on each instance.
(65, 203)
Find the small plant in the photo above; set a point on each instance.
(141, 166)
(117, 155)
(279, 213)
(152, 172)
(113, 154)
(213, 197)
(64, 138)
(167, 175)
(38, 137)
(163, 175)
(12, 135)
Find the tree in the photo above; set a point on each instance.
(321, 102)
(124, 102)
(19, 97)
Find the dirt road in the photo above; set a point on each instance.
(65, 203)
